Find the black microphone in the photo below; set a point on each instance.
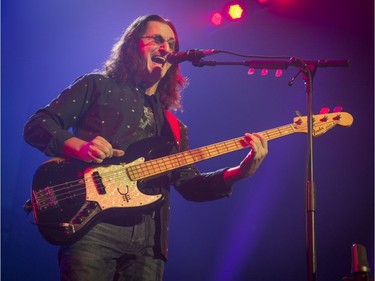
(191, 55)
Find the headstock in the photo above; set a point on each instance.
(323, 121)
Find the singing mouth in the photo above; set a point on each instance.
(159, 59)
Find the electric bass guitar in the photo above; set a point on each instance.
(69, 196)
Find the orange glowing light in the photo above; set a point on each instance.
(235, 11)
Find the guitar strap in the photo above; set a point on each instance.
(173, 122)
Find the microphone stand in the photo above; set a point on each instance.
(308, 70)
(308, 73)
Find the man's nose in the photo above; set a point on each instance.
(165, 47)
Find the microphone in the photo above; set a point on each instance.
(360, 267)
(191, 55)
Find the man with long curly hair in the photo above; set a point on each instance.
(126, 107)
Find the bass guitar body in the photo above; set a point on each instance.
(70, 196)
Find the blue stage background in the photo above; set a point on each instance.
(258, 233)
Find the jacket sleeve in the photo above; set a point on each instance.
(48, 128)
(196, 186)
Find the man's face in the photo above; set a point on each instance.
(158, 41)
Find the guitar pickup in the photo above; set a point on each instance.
(98, 183)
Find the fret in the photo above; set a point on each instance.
(189, 157)
(266, 134)
(168, 163)
(278, 132)
(198, 154)
(180, 161)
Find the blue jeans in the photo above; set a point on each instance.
(113, 253)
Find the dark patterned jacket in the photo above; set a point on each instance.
(96, 105)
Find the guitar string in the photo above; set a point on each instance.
(152, 169)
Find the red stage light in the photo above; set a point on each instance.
(264, 72)
(216, 19)
(251, 71)
(235, 11)
(279, 73)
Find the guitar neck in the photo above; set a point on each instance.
(168, 163)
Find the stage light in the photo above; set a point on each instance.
(232, 11)
(264, 72)
(251, 71)
(235, 11)
(216, 18)
(279, 73)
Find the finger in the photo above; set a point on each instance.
(90, 157)
(95, 154)
(118, 152)
(252, 137)
(248, 137)
(246, 141)
(262, 139)
(103, 147)
(252, 141)
(260, 144)
(86, 153)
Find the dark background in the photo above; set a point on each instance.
(258, 233)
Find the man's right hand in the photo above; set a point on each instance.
(95, 150)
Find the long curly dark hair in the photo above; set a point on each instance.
(125, 62)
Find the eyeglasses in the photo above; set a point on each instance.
(158, 39)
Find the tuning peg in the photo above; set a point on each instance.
(298, 113)
(337, 109)
(324, 110)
